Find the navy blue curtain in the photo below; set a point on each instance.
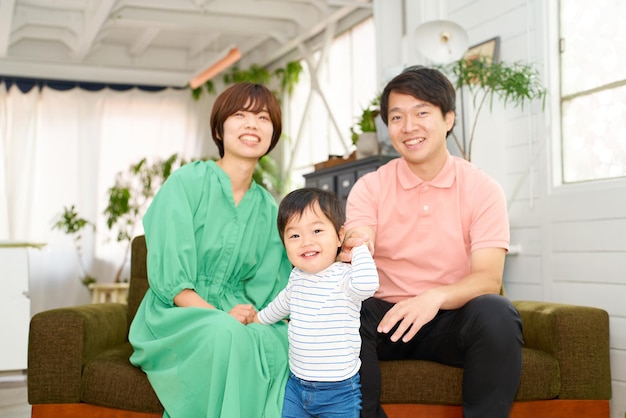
(26, 84)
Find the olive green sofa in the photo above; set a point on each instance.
(78, 364)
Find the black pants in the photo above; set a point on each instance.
(484, 337)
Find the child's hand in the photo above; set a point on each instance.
(244, 313)
(354, 240)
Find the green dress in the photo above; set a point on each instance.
(202, 362)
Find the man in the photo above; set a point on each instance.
(439, 231)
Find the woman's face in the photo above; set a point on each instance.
(248, 134)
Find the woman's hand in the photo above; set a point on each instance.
(243, 313)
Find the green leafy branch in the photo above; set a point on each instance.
(514, 84)
(288, 76)
(70, 223)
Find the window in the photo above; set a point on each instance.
(593, 90)
(348, 81)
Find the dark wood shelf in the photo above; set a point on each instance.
(341, 178)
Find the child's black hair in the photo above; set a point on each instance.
(298, 200)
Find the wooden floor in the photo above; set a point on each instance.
(13, 397)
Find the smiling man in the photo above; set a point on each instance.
(438, 230)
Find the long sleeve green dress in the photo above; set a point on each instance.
(202, 362)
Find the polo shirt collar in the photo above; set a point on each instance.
(443, 180)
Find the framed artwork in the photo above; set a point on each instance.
(490, 49)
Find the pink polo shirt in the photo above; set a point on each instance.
(426, 230)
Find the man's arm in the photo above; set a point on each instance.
(486, 269)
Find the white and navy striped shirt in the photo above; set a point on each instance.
(324, 340)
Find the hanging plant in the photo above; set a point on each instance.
(254, 74)
(288, 77)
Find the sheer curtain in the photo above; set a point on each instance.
(63, 148)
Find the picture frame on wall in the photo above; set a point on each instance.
(489, 49)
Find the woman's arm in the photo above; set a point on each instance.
(189, 298)
(243, 313)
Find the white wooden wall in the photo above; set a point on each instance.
(572, 239)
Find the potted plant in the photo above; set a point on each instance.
(130, 196)
(70, 223)
(485, 79)
(364, 135)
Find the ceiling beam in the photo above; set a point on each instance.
(144, 40)
(93, 20)
(301, 14)
(176, 20)
(93, 73)
(29, 16)
(58, 34)
(6, 18)
(314, 31)
(201, 43)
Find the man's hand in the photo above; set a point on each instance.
(354, 238)
(243, 313)
(411, 314)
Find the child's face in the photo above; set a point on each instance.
(311, 240)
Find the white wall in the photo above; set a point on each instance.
(572, 239)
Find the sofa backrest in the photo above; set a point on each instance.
(138, 275)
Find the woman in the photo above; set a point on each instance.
(214, 259)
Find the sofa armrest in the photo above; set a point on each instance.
(62, 341)
(578, 337)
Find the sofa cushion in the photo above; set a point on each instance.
(111, 380)
(419, 381)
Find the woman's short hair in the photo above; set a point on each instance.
(249, 97)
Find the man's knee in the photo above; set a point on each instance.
(495, 315)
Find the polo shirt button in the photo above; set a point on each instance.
(426, 207)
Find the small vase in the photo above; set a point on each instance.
(367, 145)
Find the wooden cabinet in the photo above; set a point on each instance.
(341, 178)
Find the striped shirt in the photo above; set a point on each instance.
(324, 309)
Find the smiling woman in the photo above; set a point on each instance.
(223, 260)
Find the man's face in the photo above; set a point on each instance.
(418, 129)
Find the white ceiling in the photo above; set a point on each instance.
(159, 42)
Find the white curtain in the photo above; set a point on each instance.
(60, 148)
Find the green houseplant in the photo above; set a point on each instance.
(129, 197)
(514, 84)
(287, 76)
(367, 121)
(73, 225)
(363, 132)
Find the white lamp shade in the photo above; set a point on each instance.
(441, 41)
